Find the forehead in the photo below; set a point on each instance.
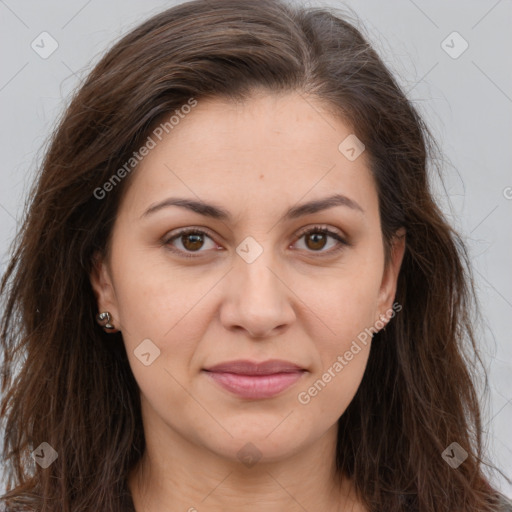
(266, 150)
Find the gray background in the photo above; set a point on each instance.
(467, 102)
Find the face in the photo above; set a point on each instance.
(261, 283)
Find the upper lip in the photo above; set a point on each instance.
(245, 367)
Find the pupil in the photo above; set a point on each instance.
(315, 237)
(196, 241)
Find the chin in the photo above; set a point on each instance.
(268, 439)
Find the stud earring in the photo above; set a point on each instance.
(104, 320)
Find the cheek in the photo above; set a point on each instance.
(154, 309)
(151, 297)
(349, 307)
(333, 384)
(344, 304)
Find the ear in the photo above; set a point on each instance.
(101, 282)
(389, 282)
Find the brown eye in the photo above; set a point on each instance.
(316, 239)
(194, 240)
(191, 241)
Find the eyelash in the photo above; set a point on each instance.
(316, 229)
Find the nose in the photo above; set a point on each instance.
(259, 300)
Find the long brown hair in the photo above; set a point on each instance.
(67, 383)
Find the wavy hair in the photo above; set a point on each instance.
(67, 383)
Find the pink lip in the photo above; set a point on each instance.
(255, 380)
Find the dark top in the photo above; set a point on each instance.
(128, 506)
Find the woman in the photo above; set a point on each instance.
(233, 289)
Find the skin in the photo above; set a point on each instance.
(294, 302)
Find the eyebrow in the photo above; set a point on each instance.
(217, 212)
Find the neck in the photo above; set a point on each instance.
(177, 475)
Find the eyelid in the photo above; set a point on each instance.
(189, 230)
(316, 228)
(321, 228)
(342, 239)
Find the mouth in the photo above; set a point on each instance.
(252, 380)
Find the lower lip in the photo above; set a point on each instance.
(255, 386)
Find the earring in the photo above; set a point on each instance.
(104, 320)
